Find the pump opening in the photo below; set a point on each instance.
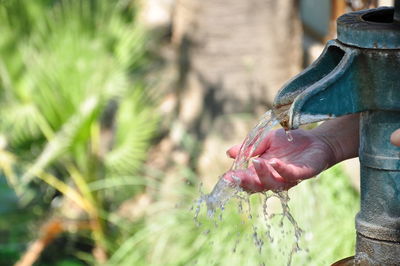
(333, 57)
(379, 16)
(322, 67)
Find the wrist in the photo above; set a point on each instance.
(332, 147)
(341, 135)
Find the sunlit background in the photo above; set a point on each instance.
(112, 113)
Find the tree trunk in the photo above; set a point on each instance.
(233, 57)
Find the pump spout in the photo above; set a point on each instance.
(326, 89)
(344, 80)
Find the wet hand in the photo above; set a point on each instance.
(281, 164)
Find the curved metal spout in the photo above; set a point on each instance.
(344, 80)
(318, 92)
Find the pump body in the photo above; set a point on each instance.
(360, 73)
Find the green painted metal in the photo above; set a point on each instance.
(357, 80)
(369, 29)
(360, 73)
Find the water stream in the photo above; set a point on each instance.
(225, 190)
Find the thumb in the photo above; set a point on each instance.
(232, 152)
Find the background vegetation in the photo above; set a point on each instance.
(78, 118)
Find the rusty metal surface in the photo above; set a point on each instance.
(376, 151)
(373, 28)
(378, 253)
(379, 217)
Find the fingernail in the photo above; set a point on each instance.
(272, 162)
(256, 162)
(236, 180)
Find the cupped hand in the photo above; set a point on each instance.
(280, 164)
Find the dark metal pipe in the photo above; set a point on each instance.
(378, 222)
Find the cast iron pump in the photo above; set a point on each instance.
(359, 72)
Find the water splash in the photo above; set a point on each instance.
(253, 140)
(284, 199)
(225, 190)
(289, 135)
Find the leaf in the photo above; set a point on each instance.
(65, 138)
(134, 127)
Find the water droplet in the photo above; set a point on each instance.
(289, 135)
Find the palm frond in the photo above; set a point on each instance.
(20, 125)
(65, 138)
(63, 62)
(135, 125)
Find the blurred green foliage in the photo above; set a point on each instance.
(324, 208)
(76, 123)
(75, 107)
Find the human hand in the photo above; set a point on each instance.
(395, 138)
(281, 164)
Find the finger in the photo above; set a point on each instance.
(233, 151)
(249, 180)
(287, 171)
(269, 178)
(395, 138)
(260, 149)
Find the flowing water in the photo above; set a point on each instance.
(225, 190)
